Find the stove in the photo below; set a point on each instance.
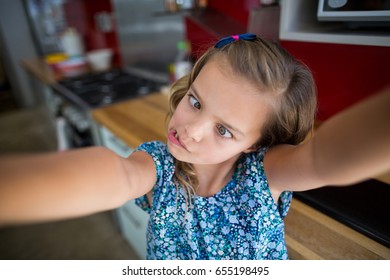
(101, 89)
(78, 96)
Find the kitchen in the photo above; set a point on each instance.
(207, 25)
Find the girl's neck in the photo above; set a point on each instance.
(213, 177)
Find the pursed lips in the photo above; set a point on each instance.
(174, 138)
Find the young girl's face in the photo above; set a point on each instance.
(219, 118)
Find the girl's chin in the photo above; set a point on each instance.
(175, 153)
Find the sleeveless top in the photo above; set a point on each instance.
(241, 221)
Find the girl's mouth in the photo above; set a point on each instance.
(173, 137)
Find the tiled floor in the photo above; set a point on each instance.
(92, 237)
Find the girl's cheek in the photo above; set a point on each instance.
(176, 119)
(180, 114)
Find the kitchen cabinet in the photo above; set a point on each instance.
(112, 142)
(133, 222)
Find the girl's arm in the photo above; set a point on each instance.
(70, 184)
(352, 146)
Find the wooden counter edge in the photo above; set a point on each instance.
(39, 69)
(304, 252)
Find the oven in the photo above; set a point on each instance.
(73, 127)
(78, 96)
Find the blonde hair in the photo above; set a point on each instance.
(274, 71)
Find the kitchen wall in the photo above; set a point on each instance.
(17, 43)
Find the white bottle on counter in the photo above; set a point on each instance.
(72, 43)
(183, 64)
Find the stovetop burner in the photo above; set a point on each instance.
(100, 89)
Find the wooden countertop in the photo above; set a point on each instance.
(309, 233)
(136, 121)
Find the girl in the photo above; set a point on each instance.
(236, 150)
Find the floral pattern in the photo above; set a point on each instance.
(242, 221)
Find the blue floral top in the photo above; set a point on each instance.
(241, 221)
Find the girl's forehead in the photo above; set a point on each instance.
(219, 76)
(230, 97)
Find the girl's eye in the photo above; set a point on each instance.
(222, 131)
(194, 102)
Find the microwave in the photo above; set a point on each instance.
(354, 10)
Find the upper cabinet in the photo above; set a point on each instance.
(299, 22)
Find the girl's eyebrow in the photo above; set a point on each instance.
(199, 98)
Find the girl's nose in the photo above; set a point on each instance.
(196, 130)
(194, 133)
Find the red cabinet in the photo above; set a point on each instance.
(344, 73)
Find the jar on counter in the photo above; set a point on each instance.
(72, 43)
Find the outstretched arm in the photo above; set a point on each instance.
(352, 146)
(70, 184)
